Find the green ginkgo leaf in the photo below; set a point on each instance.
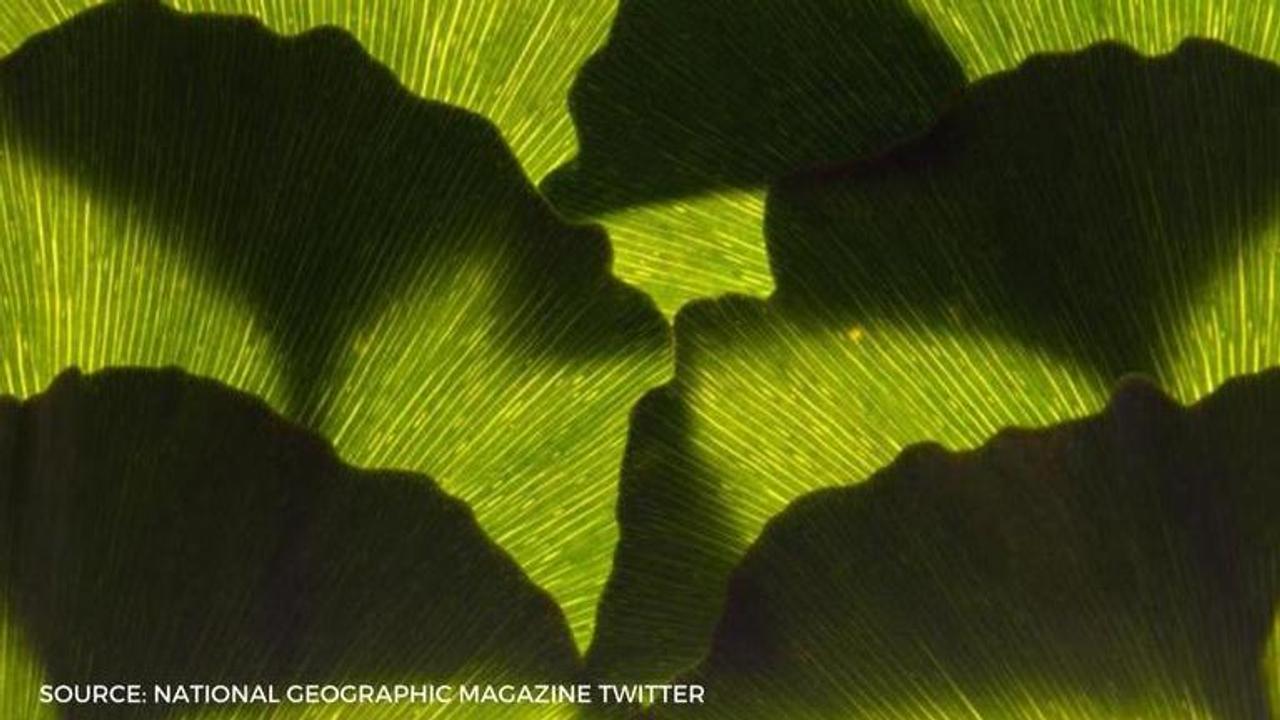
(1083, 217)
(165, 530)
(512, 61)
(279, 214)
(1125, 566)
(691, 109)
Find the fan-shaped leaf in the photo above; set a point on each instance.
(1085, 216)
(697, 106)
(1122, 567)
(279, 214)
(691, 109)
(168, 530)
(510, 60)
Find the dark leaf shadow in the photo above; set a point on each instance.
(167, 529)
(1119, 566)
(676, 540)
(679, 535)
(1077, 204)
(309, 182)
(690, 97)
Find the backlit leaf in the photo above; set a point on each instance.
(281, 215)
(167, 530)
(691, 109)
(1086, 216)
(1124, 566)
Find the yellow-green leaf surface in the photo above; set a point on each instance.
(512, 61)
(1271, 664)
(690, 109)
(1085, 216)
(281, 215)
(168, 530)
(1123, 566)
(22, 671)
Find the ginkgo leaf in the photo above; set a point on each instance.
(167, 530)
(1085, 216)
(1079, 207)
(1123, 566)
(691, 109)
(281, 215)
(695, 107)
(512, 61)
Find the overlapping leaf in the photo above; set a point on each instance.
(510, 60)
(1085, 216)
(164, 529)
(1119, 567)
(690, 109)
(279, 214)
